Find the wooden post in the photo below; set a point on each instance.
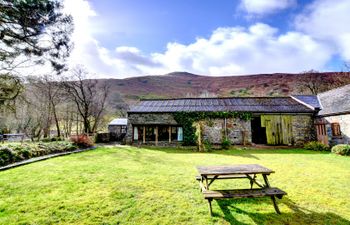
(169, 131)
(156, 135)
(144, 134)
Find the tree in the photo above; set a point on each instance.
(32, 32)
(312, 82)
(48, 91)
(89, 97)
(35, 31)
(10, 88)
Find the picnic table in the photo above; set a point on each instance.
(209, 174)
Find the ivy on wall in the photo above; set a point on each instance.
(186, 119)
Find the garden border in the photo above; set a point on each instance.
(44, 157)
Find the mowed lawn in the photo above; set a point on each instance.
(129, 185)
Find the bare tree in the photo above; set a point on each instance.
(89, 96)
(312, 82)
(50, 91)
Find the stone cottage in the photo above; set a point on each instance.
(333, 121)
(117, 129)
(274, 120)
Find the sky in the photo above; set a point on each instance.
(120, 39)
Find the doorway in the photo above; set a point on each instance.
(258, 132)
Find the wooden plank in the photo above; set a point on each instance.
(233, 169)
(243, 193)
(156, 135)
(198, 177)
(144, 135)
(169, 131)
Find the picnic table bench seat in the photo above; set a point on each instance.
(244, 193)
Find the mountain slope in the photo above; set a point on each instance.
(180, 84)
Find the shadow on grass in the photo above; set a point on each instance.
(298, 215)
(241, 152)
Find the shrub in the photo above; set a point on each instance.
(341, 149)
(7, 155)
(316, 146)
(52, 139)
(82, 140)
(207, 145)
(225, 144)
(11, 153)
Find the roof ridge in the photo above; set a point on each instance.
(193, 98)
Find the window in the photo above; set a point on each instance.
(336, 129)
(123, 129)
(179, 134)
(136, 133)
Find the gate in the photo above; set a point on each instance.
(322, 133)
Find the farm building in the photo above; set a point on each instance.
(333, 121)
(242, 120)
(117, 129)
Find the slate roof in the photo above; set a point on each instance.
(336, 101)
(119, 122)
(234, 104)
(310, 100)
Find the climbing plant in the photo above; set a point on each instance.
(187, 119)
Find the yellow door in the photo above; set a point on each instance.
(278, 129)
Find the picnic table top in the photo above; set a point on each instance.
(233, 169)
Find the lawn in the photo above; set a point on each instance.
(128, 185)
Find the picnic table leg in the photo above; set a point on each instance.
(272, 197)
(206, 183)
(210, 209)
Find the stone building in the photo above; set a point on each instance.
(333, 121)
(117, 129)
(275, 120)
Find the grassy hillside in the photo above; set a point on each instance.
(181, 84)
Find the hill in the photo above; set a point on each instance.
(181, 84)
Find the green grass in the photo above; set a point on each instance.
(128, 185)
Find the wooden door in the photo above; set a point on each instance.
(278, 129)
(322, 133)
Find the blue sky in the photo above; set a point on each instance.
(140, 37)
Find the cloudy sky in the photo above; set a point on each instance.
(118, 39)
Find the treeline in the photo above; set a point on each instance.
(57, 106)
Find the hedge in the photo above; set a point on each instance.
(11, 153)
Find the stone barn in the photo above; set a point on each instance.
(117, 129)
(272, 120)
(333, 121)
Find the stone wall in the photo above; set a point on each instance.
(303, 129)
(344, 122)
(237, 131)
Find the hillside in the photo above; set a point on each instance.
(180, 84)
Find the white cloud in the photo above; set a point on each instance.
(259, 48)
(263, 7)
(328, 20)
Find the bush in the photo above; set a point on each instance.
(82, 140)
(225, 144)
(207, 145)
(11, 153)
(316, 146)
(341, 149)
(52, 139)
(7, 155)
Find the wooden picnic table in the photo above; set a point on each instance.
(208, 174)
